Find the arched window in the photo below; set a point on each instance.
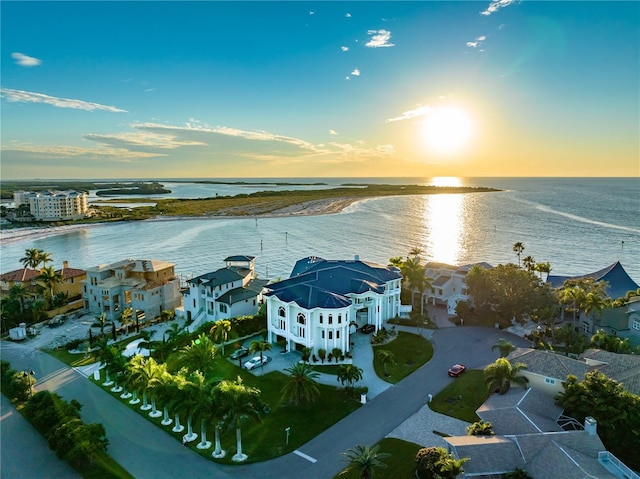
(281, 312)
(301, 319)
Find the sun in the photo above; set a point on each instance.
(448, 130)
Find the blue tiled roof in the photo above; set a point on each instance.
(220, 277)
(617, 279)
(318, 283)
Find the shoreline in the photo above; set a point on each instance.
(326, 206)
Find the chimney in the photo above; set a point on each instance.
(356, 257)
(590, 425)
(65, 264)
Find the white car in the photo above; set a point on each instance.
(254, 362)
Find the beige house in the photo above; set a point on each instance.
(71, 284)
(147, 286)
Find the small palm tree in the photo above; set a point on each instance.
(260, 346)
(385, 357)
(501, 374)
(529, 263)
(349, 374)
(504, 346)
(50, 277)
(364, 460)
(199, 355)
(301, 386)
(220, 331)
(192, 387)
(126, 318)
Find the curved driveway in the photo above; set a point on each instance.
(139, 447)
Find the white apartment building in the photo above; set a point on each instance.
(53, 205)
(147, 286)
(323, 302)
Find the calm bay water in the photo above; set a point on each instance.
(579, 225)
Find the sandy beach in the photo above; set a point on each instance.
(325, 206)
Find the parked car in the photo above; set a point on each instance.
(256, 361)
(456, 370)
(241, 352)
(367, 329)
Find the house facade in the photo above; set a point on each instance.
(324, 301)
(623, 321)
(71, 283)
(448, 285)
(147, 286)
(228, 292)
(53, 205)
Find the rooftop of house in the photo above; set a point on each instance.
(237, 295)
(134, 265)
(319, 283)
(617, 279)
(624, 368)
(221, 276)
(20, 275)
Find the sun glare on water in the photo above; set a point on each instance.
(448, 130)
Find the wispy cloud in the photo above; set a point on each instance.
(416, 112)
(147, 139)
(355, 72)
(25, 60)
(333, 132)
(477, 42)
(348, 15)
(497, 5)
(379, 38)
(19, 96)
(54, 152)
(344, 49)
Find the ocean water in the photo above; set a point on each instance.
(578, 225)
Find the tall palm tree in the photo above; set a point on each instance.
(363, 460)
(504, 347)
(518, 248)
(126, 318)
(385, 357)
(529, 263)
(143, 372)
(31, 258)
(101, 322)
(302, 385)
(199, 355)
(501, 374)
(45, 258)
(165, 388)
(217, 414)
(50, 277)
(543, 268)
(220, 331)
(415, 273)
(106, 355)
(260, 346)
(567, 335)
(239, 402)
(573, 296)
(192, 389)
(593, 302)
(349, 374)
(19, 293)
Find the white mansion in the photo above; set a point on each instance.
(228, 292)
(324, 301)
(53, 205)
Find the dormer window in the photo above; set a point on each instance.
(301, 319)
(281, 312)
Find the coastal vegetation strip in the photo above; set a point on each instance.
(270, 202)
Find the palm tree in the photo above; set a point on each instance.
(363, 460)
(518, 248)
(50, 277)
(106, 356)
(593, 302)
(199, 355)
(126, 318)
(217, 414)
(301, 386)
(165, 387)
(192, 389)
(480, 428)
(220, 331)
(143, 372)
(31, 258)
(19, 293)
(238, 402)
(572, 295)
(45, 258)
(529, 263)
(349, 374)
(173, 332)
(260, 346)
(504, 346)
(101, 322)
(415, 273)
(385, 357)
(501, 374)
(543, 268)
(567, 335)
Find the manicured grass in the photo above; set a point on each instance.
(400, 463)
(267, 439)
(73, 360)
(105, 467)
(410, 350)
(326, 368)
(462, 397)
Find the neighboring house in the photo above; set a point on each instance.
(53, 205)
(71, 280)
(448, 286)
(228, 292)
(324, 301)
(623, 321)
(619, 283)
(147, 286)
(547, 370)
(529, 436)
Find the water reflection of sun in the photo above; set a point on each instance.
(443, 222)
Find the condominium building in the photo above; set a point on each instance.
(53, 205)
(147, 286)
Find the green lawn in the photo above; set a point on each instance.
(462, 397)
(410, 350)
(400, 463)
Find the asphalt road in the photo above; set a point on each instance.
(147, 452)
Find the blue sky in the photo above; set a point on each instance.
(304, 89)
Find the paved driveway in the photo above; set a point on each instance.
(146, 452)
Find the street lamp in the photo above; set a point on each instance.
(287, 430)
